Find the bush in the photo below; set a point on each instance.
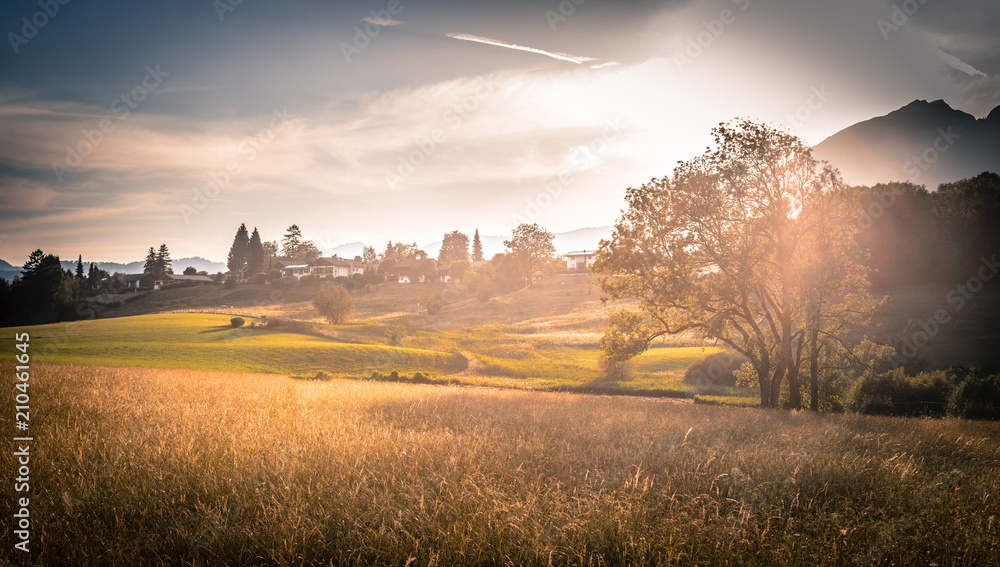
(273, 323)
(976, 398)
(895, 393)
(237, 322)
(369, 288)
(260, 278)
(717, 369)
(274, 275)
(435, 304)
(395, 335)
(334, 304)
(231, 283)
(616, 370)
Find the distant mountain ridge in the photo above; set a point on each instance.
(923, 142)
(8, 271)
(579, 239)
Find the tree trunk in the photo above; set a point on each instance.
(814, 370)
(794, 393)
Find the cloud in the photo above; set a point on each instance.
(553, 54)
(383, 21)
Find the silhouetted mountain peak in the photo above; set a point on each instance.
(994, 116)
(924, 142)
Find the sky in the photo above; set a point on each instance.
(130, 124)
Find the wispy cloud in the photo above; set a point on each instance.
(957, 63)
(383, 21)
(578, 59)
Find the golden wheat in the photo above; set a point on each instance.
(174, 467)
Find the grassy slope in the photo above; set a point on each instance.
(154, 467)
(542, 337)
(206, 341)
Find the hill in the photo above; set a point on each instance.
(206, 341)
(924, 142)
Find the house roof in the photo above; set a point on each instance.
(184, 278)
(581, 253)
(336, 262)
(291, 266)
(136, 277)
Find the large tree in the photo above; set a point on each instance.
(529, 249)
(149, 267)
(237, 260)
(733, 249)
(454, 247)
(477, 248)
(163, 261)
(255, 254)
(297, 249)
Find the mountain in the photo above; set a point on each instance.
(347, 251)
(579, 239)
(928, 143)
(200, 264)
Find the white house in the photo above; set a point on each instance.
(580, 260)
(324, 268)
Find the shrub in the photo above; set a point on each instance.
(231, 283)
(237, 322)
(334, 303)
(435, 304)
(616, 370)
(369, 288)
(274, 275)
(395, 335)
(717, 369)
(420, 378)
(976, 398)
(273, 323)
(260, 278)
(895, 393)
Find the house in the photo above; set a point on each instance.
(176, 279)
(142, 281)
(580, 260)
(409, 270)
(295, 270)
(324, 268)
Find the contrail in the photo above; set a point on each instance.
(555, 55)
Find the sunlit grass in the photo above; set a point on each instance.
(208, 342)
(145, 467)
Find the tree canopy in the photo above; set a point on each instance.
(751, 245)
(454, 247)
(529, 249)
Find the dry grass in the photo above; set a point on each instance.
(146, 467)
